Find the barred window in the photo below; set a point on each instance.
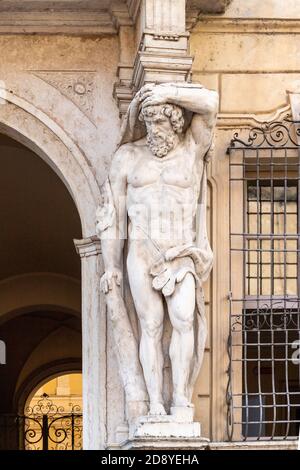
(263, 390)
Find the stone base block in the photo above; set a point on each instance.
(199, 444)
(159, 429)
(148, 443)
(182, 414)
(177, 425)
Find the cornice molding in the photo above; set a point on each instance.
(120, 14)
(133, 8)
(219, 24)
(94, 17)
(57, 22)
(53, 5)
(247, 121)
(91, 17)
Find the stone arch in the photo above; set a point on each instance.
(42, 375)
(31, 127)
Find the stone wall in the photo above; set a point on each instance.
(250, 54)
(71, 80)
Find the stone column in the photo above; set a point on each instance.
(93, 345)
(154, 41)
(162, 43)
(155, 49)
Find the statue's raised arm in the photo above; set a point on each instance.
(199, 103)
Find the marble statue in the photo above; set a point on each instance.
(155, 197)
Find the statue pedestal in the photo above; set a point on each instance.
(178, 424)
(176, 431)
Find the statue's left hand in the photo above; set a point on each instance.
(108, 278)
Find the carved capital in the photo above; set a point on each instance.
(120, 14)
(160, 44)
(159, 68)
(195, 8)
(87, 247)
(208, 6)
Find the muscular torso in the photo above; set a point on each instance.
(162, 194)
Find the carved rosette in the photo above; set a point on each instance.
(78, 87)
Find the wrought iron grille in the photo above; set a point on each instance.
(263, 394)
(45, 426)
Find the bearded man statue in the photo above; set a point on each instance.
(157, 182)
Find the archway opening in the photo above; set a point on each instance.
(40, 280)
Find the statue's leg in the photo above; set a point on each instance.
(149, 307)
(181, 307)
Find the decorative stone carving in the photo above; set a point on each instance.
(195, 9)
(158, 179)
(208, 6)
(76, 86)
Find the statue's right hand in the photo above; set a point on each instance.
(142, 94)
(108, 279)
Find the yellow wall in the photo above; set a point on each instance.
(251, 54)
(62, 390)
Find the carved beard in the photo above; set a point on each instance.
(160, 144)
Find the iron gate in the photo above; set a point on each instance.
(263, 394)
(45, 426)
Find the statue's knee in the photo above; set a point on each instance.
(184, 325)
(152, 329)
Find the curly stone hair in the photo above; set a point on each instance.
(172, 111)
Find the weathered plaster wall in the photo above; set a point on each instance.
(251, 54)
(71, 80)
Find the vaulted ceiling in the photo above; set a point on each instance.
(39, 219)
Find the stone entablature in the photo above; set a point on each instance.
(153, 36)
(90, 17)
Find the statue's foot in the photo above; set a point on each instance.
(157, 409)
(181, 400)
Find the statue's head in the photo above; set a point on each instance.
(164, 123)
